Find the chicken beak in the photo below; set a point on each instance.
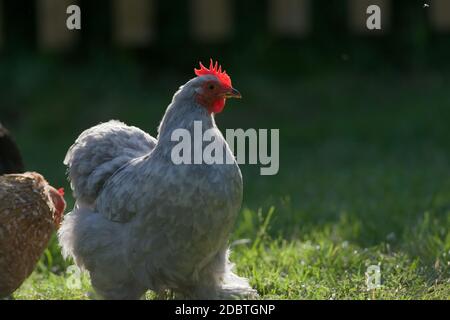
(232, 93)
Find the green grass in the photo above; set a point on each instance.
(364, 176)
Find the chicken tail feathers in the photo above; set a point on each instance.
(99, 152)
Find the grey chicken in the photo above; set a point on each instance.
(142, 222)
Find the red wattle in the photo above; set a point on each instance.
(217, 106)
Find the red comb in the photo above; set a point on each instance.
(61, 192)
(215, 70)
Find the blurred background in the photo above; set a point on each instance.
(363, 115)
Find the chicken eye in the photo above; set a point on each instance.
(211, 87)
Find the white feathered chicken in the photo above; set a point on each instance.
(141, 222)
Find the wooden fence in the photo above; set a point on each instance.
(134, 21)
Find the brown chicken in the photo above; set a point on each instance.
(30, 210)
